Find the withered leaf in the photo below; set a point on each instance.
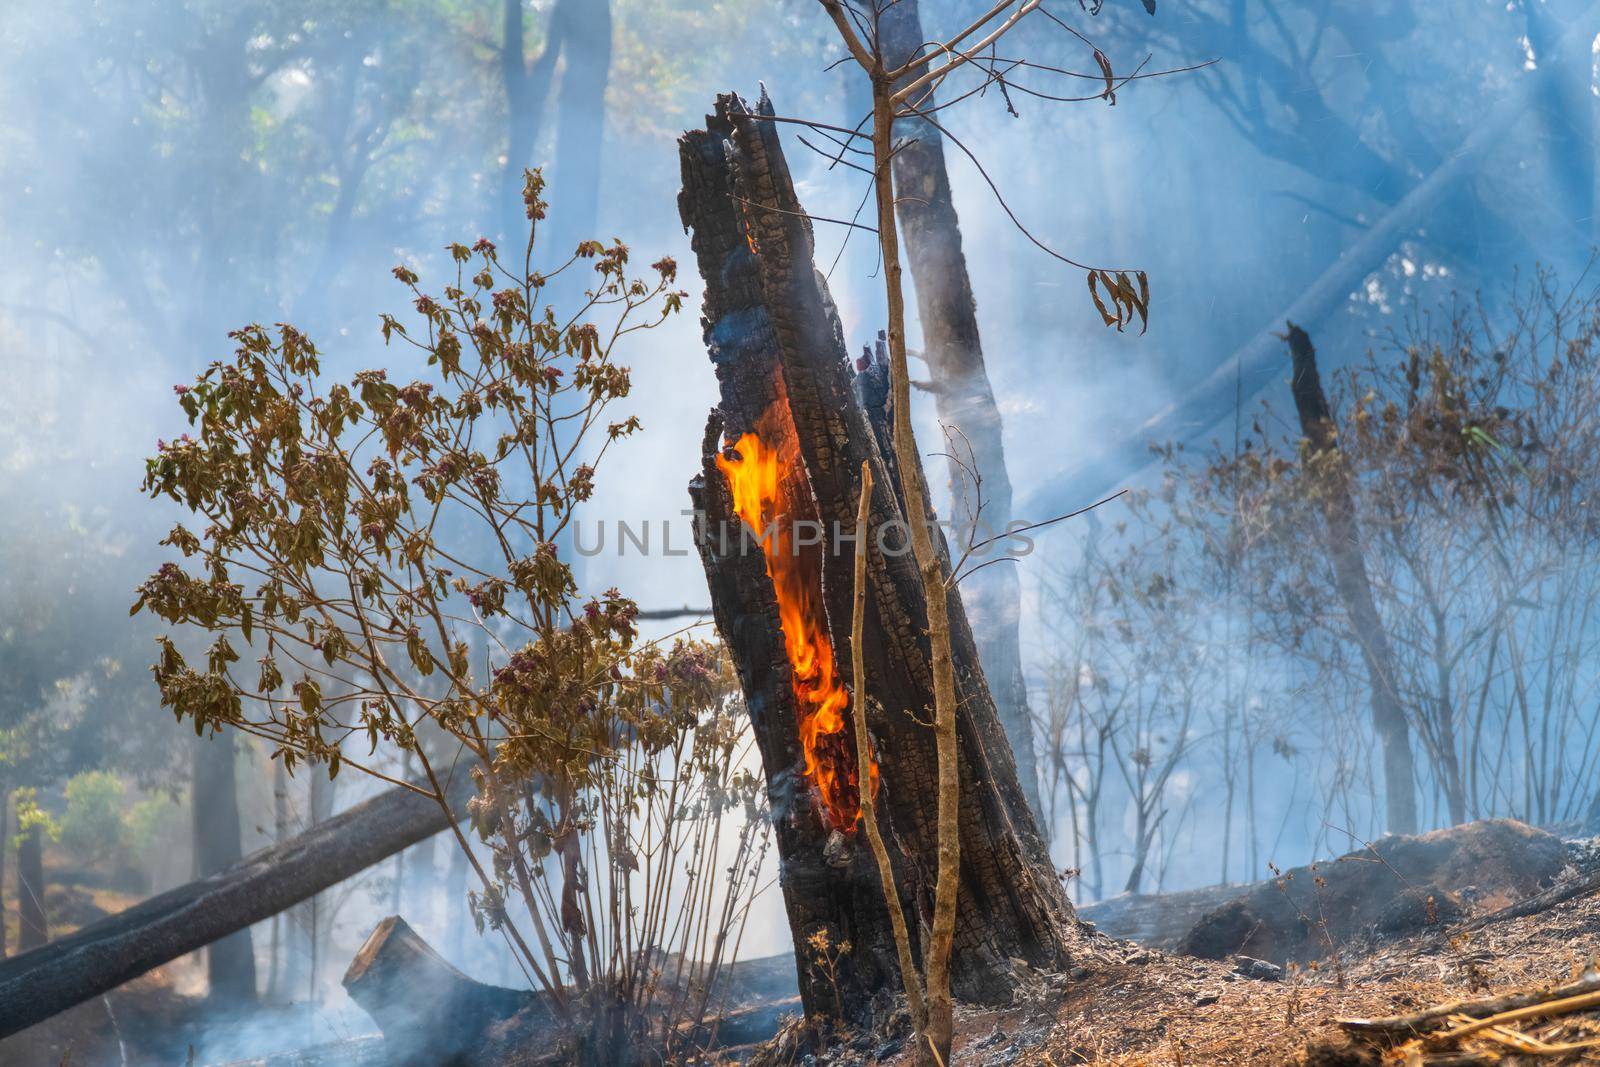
(1105, 71)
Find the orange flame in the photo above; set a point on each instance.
(762, 470)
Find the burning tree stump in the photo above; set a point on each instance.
(785, 448)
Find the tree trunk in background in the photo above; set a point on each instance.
(5, 820)
(33, 928)
(584, 27)
(457, 914)
(527, 87)
(312, 912)
(281, 832)
(397, 892)
(779, 357)
(1355, 588)
(964, 400)
(230, 962)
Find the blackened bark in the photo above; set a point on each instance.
(964, 400)
(774, 338)
(230, 962)
(1354, 586)
(33, 928)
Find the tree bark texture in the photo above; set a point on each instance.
(103, 955)
(963, 397)
(775, 343)
(1354, 586)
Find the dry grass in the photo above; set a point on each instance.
(1162, 1013)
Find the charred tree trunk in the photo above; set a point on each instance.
(779, 356)
(964, 400)
(231, 961)
(33, 927)
(1355, 588)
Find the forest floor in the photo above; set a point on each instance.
(1130, 1006)
(1152, 1009)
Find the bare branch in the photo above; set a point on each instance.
(934, 77)
(939, 48)
(852, 40)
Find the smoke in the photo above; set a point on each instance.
(171, 172)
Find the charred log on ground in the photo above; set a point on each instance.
(433, 1015)
(779, 354)
(1398, 885)
(36, 985)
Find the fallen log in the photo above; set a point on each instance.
(36, 985)
(1258, 363)
(1480, 1008)
(1556, 895)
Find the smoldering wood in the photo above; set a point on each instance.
(36, 985)
(1162, 920)
(771, 330)
(1157, 920)
(433, 1015)
(1398, 885)
(1255, 365)
(1558, 894)
(430, 1013)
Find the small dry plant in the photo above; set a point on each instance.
(387, 552)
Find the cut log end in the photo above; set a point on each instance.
(429, 1012)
